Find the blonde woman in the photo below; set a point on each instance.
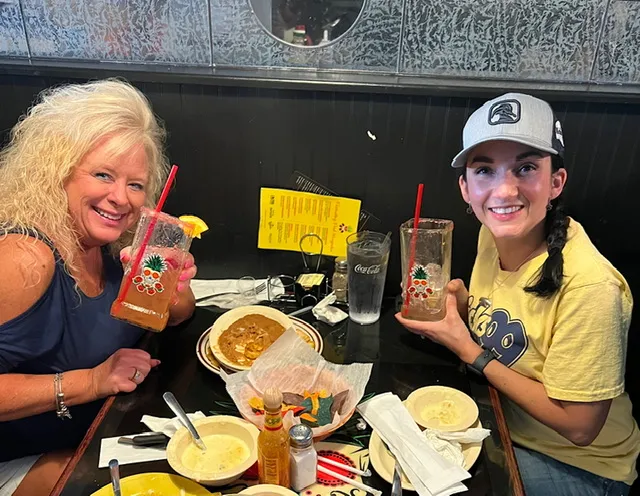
(78, 168)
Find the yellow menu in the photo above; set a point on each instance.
(286, 216)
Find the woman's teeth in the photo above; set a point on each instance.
(505, 210)
(104, 214)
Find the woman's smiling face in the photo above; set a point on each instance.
(105, 193)
(509, 186)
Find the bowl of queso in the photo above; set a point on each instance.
(232, 448)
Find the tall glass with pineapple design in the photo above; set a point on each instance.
(146, 302)
(426, 268)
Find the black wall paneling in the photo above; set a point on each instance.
(231, 140)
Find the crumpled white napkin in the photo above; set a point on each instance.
(168, 426)
(127, 453)
(324, 312)
(215, 288)
(449, 444)
(428, 471)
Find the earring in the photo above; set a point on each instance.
(549, 206)
(469, 209)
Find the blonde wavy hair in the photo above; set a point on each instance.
(50, 141)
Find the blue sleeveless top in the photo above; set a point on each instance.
(64, 330)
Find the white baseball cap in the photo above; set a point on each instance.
(513, 117)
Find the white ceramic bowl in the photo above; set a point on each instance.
(421, 398)
(226, 319)
(220, 424)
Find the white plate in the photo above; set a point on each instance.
(418, 400)
(268, 490)
(204, 354)
(383, 463)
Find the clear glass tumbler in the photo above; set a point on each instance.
(145, 303)
(426, 267)
(367, 259)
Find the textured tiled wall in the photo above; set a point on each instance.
(538, 40)
(12, 38)
(619, 56)
(162, 31)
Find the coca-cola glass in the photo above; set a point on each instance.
(367, 258)
(426, 267)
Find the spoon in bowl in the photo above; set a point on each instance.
(171, 400)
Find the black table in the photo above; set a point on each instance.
(402, 362)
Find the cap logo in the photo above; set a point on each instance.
(504, 112)
(558, 131)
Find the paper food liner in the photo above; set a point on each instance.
(292, 366)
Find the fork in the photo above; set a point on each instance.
(259, 289)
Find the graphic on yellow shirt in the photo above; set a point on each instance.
(497, 331)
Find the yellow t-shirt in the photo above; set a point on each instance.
(574, 343)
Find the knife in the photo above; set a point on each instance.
(396, 487)
(151, 439)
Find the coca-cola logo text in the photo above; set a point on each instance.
(372, 269)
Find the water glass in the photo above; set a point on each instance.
(247, 290)
(367, 260)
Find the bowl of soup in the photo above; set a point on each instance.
(239, 336)
(232, 448)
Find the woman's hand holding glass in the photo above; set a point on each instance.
(452, 331)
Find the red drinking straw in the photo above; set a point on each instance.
(412, 248)
(145, 241)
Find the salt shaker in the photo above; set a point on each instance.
(340, 278)
(304, 459)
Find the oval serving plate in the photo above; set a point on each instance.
(206, 357)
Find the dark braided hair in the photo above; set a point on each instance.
(556, 224)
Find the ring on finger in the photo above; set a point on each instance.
(136, 377)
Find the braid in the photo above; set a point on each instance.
(555, 228)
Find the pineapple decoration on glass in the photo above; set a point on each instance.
(419, 286)
(153, 266)
(424, 282)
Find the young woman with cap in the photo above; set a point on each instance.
(546, 316)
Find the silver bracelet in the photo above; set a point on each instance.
(61, 409)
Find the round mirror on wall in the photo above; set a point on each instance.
(307, 22)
